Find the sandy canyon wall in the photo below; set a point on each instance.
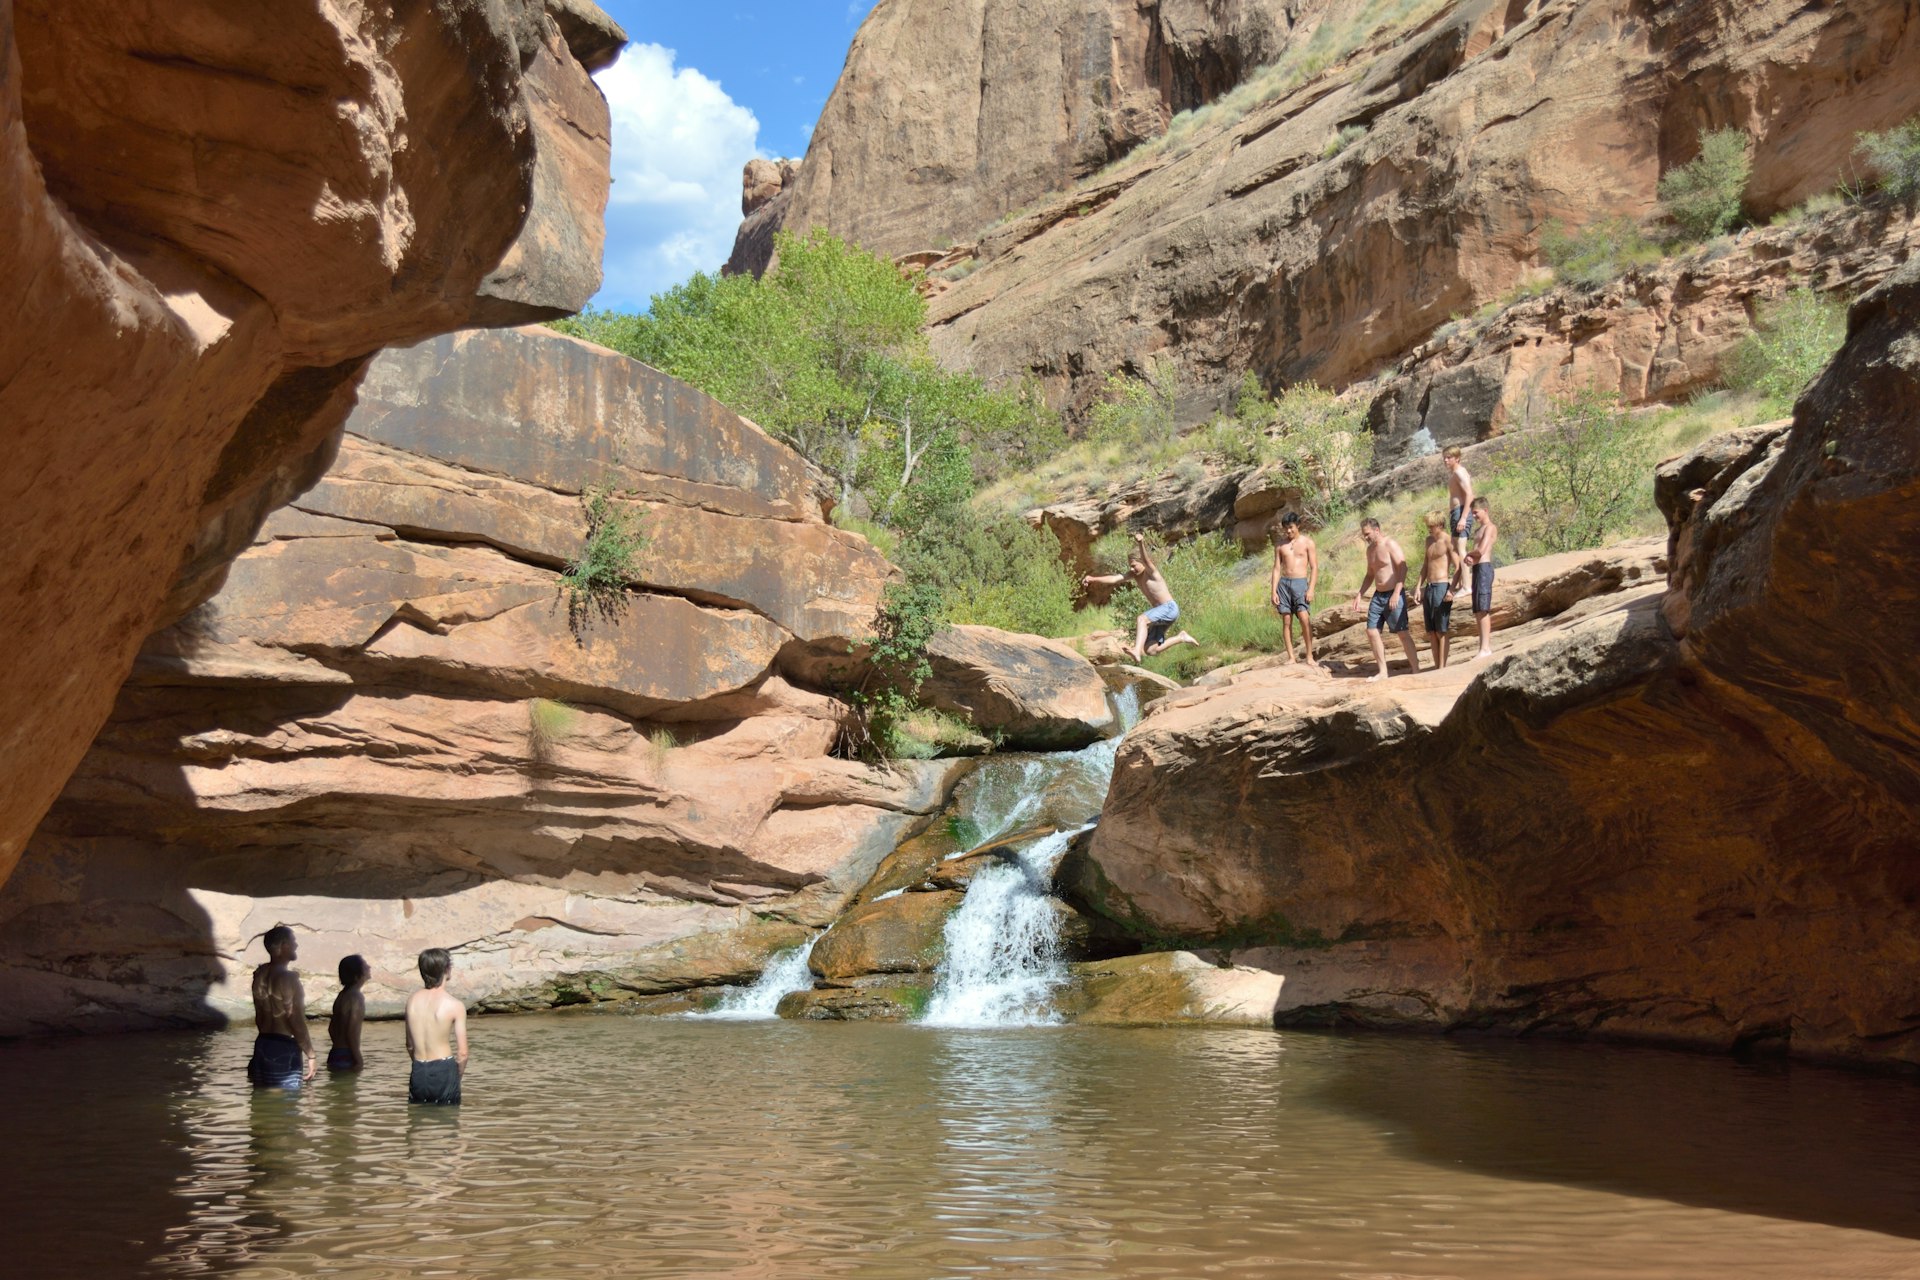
(1357, 191)
(382, 731)
(1682, 814)
(211, 216)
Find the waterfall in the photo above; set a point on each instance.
(1003, 955)
(784, 973)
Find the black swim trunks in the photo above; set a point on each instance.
(276, 1062)
(437, 1081)
(1483, 588)
(1436, 609)
(340, 1058)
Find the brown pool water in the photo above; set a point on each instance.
(600, 1145)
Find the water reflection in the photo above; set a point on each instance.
(602, 1146)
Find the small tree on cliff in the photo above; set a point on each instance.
(1581, 466)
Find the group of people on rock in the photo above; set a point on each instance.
(283, 1056)
(1458, 557)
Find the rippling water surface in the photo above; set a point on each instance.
(600, 1145)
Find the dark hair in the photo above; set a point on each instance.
(434, 963)
(278, 936)
(1369, 523)
(1290, 518)
(354, 969)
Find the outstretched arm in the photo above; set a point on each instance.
(1140, 545)
(1102, 579)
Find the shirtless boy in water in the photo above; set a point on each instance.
(282, 1051)
(1296, 572)
(1150, 628)
(1387, 574)
(349, 1013)
(1439, 582)
(436, 1034)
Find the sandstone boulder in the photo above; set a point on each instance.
(1169, 988)
(1034, 693)
(893, 998)
(210, 219)
(900, 934)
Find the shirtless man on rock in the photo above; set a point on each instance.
(1387, 574)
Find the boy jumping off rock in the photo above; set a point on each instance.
(1150, 628)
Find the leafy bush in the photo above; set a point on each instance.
(1599, 253)
(1895, 156)
(996, 573)
(1582, 469)
(873, 727)
(1136, 411)
(1791, 342)
(1320, 444)
(594, 585)
(1703, 196)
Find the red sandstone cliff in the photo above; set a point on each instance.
(212, 215)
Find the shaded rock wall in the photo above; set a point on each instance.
(209, 220)
(382, 731)
(1686, 816)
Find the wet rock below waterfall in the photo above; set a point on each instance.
(890, 999)
(1168, 988)
(893, 935)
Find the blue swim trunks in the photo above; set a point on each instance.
(1483, 588)
(1159, 618)
(1293, 596)
(1460, 522)
(277, 1062)
(1382, 615)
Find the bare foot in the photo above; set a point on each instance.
(1484, 653)
(1290, 659)
(1380, 676)
(1185, 637)
(1135, 655)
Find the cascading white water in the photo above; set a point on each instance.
(1003, 956)
(784, 973)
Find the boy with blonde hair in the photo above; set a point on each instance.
(1439, 579)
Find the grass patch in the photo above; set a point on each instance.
(594, 585)
(548, 721)
(1599, 253)
(926, 734)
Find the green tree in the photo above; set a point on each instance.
(1703, 196)
(1791, 342)
(826, 351)
(1582, 467)
(1320, 444)
(1894, 154)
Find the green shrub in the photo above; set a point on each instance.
(873, 728)
(1703, 196)
(1134, 410)
(1343, 139)
(1320, 444)
(594, 585)
(1791, 342)
(996, 573)
(1894, 155)
(1582, 468)
(1599, 253)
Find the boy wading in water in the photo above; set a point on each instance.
(1296, 572)
(436, 1034)
(1459, 499)
(349, 1012)
(1481, 559)
(1150, 628)
(1387, 574)
(282, 1052)
(1439, 580)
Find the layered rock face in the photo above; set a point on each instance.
(1343, 204)
(948, 115)
(383, 732)
(210, 219)
(1684, 815)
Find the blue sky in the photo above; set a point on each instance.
(700, 91)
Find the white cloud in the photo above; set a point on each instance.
(679, 143)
